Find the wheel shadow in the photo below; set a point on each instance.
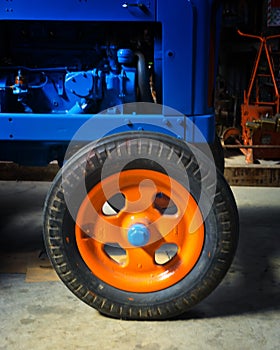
(21, 208)
(252, 284)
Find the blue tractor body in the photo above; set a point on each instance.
(63, 63)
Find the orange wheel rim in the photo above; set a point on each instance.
(164, 216)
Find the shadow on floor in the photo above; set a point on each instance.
(252, 284)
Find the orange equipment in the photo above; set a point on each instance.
(260, 119)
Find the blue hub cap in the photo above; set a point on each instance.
(138, 235)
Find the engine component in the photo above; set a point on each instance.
(60, 90)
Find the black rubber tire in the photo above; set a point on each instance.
(218, 154)
(221, 227)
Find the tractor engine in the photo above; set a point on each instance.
(107, 75)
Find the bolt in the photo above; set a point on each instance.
(166, 122)
(138, 235)
(180, 121)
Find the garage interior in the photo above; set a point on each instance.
(38, 312)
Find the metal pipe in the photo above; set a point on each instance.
(143, 79)
(252, 146)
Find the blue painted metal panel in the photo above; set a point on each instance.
(204, 12)
(77, 10)
(186, 31)
(203, 127)
(61, 127)
(177, 54)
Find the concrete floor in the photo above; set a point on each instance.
(242, 313)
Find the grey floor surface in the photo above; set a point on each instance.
(242, 313)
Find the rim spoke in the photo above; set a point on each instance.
(141, 260)
(139, 198)
(104, 230)
(168, 227)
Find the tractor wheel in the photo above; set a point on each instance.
(139, 226)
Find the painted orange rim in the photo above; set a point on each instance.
(146, 197)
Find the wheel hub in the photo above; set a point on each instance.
(138, 235)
